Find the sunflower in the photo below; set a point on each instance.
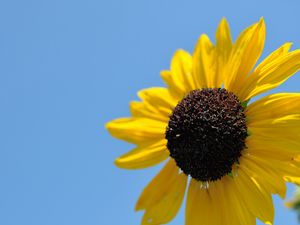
(228, 154)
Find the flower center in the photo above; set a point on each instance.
(206, 133)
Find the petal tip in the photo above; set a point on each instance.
(137, 207)
(113, 123)
(116, 162)
(122, 163)
(223, 22)
(203, 40)
(289, 44)
(164, 73)
(261, 22)
(108, 125)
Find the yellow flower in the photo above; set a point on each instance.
(231, 155)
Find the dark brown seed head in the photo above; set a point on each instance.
(206, 133)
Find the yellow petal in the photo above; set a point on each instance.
(238, 206)
(204, 63)
(291, 173)
(277, 132)
(257, 200)
(223, 38)
(295, 180)
(143, 109)
(144, 156)
(286, 127)
(223, 49)
(289, 121)
(219, 204)
(157, 103)
(159, 98)
(162, 198)
(200, 206)
(137, 130)
(288, 170)
(271, 75)
(220, 197)
(267, 176)
(279, 167)
(273, 106)
(282, 50)
(273, 148)
(180, 78)
(245, 54)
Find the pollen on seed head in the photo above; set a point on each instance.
(206, 133)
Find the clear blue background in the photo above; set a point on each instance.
(67, 67)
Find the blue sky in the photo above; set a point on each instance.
(67, 67)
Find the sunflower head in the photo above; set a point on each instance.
(232, 156)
